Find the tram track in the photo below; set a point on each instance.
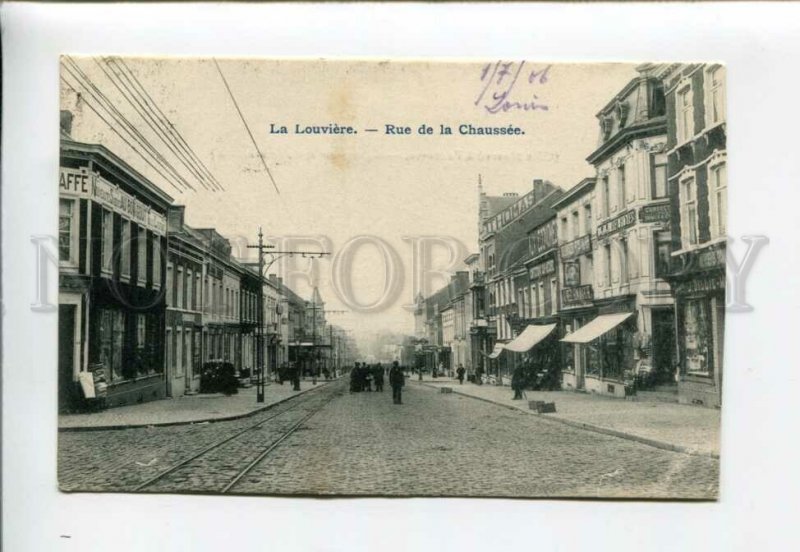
(250, 445)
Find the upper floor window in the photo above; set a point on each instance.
(715, 92)
(108, 240)
(718, 198)
(587, 218)
(564, 229)
(190, 291)
(576, 224)
(156, 261)
(663, 245)
(622, 182)
(125, 249)
(623, 262)
(142, 258)
(607, 265)
(658, 175)
(606, 193)
(170, 286)
(688, 201)
(67, 252)
(180, 283)
(685, 112)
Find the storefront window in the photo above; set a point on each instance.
(111, 331)
(593, 358)
(698, 339)
(66, 217)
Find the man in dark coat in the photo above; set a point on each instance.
(294, 374)
(518, 382)
(377, 376)
(396, 380)
(460, 374)
(355, 386)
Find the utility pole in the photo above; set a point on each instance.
(262, 278)
(260, 333)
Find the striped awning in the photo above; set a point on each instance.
(597, 327)
(530, 337)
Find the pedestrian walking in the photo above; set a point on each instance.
(460, 374)
(377, 375)
(367, 377)
(355, 386)
(518, 383)
(396, 380)
(294, 374)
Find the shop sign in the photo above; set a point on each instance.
(572, 274)
(125, 204)
(543, 238)
(706, 284)
(711, 259)
(579, 295)
(76, 182)
(542, 269)
(655, 213)
(577, 247)
(510, 213)
(628, 218)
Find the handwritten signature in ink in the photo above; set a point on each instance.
(500, 80)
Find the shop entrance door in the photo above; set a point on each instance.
(66, 356)
(663, 346)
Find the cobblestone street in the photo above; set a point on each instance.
(362, 444)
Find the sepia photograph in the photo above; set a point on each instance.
(391, 277)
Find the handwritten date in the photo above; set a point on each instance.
(511, 86)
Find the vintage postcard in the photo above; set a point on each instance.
(477, 278)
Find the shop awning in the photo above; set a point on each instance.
(597, 327)
(498, 348)
(529, 337)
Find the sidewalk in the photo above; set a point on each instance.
(184, 410)
(670, 426)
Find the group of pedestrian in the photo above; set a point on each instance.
(290, 372)
(363, 377)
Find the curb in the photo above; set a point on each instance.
(198, 421)
(590, 427)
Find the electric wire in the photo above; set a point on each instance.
(241, 116)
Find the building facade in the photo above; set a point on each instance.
(112, 246)
(631, 341)
(184, 298)
(697, 180)
(576, 259)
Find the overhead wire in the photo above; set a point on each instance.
(134, 102)
(246, 126)
(97, 95)
(115, 131)
(167, 123)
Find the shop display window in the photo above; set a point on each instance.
(698, 338)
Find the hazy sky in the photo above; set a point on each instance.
(368, 183)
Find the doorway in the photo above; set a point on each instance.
(66, 357)
(664, 346)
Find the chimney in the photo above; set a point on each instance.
(175, 214)
(538, 190)
(66, 122)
